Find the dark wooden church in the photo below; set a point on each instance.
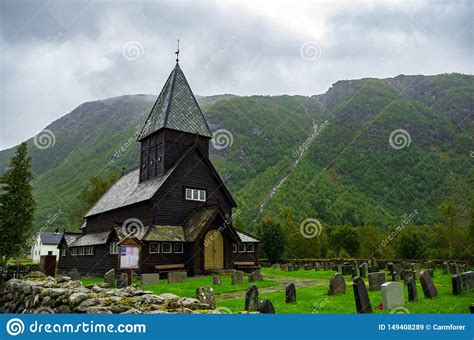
(175, 205)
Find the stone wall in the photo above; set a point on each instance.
(37, 293)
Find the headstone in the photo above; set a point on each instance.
(296, 267)
(276, 266)
(122, 280)
(308, 266)
(412, 292)
(237, 278)
(430, 272)
(74, 274)
(216, 280)
(337, 285)
(177, 276)
(454, 268)
(339, 268)
(325, 265)
(109, 278)
(255, 276)
(284, 267)
(392, 295)
(206, 295)
(251, 299)
(361, 296)
(363, 269)
(150, 278)
(429, 289)
(290, 295)
(375, 280)
(390, 267)
(372, 269)
(456, 283)
(471, 308)
(266, 307)
(395, 276)
(446, 269)
(317, 266)
(415, 266)
(467, 281)
(347, 270)
(290, 267)
(354, 272)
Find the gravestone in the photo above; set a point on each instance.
(216, 280)
(290, 293)
(454, 268)
(74, 274)
(251, 299)
(296, 267)
(109, 278)
(150, 278)
(390, 267)
(237, 278)
(363, 269)
(284, 267)
(266, 307)
(308, 266)
(392, 295)
(339, 268)
(255, 276)
(376, 280)
(276, 266)
(177, 276)
(471, 308)
(317, 266)
(467, 281)
(446, 269)
(290, 267)
(354, 272)
(361, 297)
(325, 265)
(346, 269)
(122, 280)
(337, 285)
(412, 292)
(430, 272)
(429, 289)
(456, 283)
(415, 266)
(206, 295)
(395, 276)
(372, 269)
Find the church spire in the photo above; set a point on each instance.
(177, 53)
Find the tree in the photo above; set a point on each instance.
(94, 190)
(17, 205)
(448, 212)
(345, 238)
(272, 239)
(370, 238)
(411, 244)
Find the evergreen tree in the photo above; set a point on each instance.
(17, 205)
(448, 211)
(94, 190)
(272, 239)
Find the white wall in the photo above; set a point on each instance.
(38, 249)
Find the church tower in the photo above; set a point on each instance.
(174, 124)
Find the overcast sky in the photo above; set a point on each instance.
(57, 55)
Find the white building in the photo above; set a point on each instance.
(46, 243)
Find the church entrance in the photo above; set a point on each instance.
(213, 250)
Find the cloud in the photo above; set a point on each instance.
(56, 55)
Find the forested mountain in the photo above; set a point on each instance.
(366, 150)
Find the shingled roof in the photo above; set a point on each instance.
(176, 108)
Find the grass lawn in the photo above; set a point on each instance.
(315, 299)
(188, 287)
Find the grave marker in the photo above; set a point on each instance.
(290, 293)
(251, 299)
(337, 285)
(429, 289)
(412, 292)
(361, 296)
(392, 295)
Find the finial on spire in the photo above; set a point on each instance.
(177, 53)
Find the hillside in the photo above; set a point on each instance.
(344, 171)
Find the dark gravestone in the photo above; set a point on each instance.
(251, 299)
(354, 272)
(122, 279)
(376, 280)
(429, 289)
(337, 285)
(467, 281)
(395, 276)
(346, 269)
(363, 269)
(266, 307)
(430, 271)
(290, 293)
(454, 268)
(325, 265)
(361, 296)
(446, 269)
(390, 267)
(372, 269)
(471, 308)
(456, 282)
(412, 292)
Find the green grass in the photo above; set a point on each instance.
(315, 299)
(188, 287)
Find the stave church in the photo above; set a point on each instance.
(174, 204)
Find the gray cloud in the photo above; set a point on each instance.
(56, 55)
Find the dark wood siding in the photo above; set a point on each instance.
(148, 260)
(99, 263)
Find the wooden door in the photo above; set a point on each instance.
(213, 251)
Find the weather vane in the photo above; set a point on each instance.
(177, 53)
